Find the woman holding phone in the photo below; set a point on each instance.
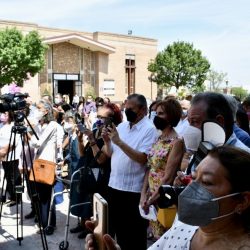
(91, 154)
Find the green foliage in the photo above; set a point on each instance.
(198, 88)
(90, 90)
(216, 79)
(239, 92)
(20, 56)
(179, 65)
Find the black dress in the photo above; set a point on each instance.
(78, 195)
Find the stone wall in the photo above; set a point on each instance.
(66, 58)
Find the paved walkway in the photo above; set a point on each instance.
(31, 239)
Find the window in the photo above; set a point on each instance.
(89, 67)
(78, 88)
(130, 74)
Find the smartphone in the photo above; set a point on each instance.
(81, 127)
(108, 122)
(100, 217)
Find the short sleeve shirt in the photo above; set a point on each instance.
(126, 174)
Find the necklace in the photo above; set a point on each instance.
(168, 136)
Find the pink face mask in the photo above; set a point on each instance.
(3, 118)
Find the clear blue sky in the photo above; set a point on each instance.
(220, 28)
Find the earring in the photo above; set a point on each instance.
(238, 211)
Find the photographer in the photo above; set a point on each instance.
(220, 200)
(99, 166)
(128, 146)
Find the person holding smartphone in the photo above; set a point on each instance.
(101, 167)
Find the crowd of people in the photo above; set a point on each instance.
(133, 149)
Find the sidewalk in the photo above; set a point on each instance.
(32, 240)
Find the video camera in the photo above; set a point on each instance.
(212, 135)
(13, 102)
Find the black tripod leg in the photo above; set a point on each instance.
(19, 191)
(3, 197)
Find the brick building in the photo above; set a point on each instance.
(112, 65)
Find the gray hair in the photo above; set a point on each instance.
(49, 117)
(233, 104)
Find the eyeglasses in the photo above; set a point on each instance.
(102, 117)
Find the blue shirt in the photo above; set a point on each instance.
(234, 141)
(242, 135)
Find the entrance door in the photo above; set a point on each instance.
(66, 87)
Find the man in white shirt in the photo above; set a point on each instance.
(128, 146)
(183, 123)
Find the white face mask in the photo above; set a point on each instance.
(57, 100)
(68, 127)
(38, 114)
(192, 138)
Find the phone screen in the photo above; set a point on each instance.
(81, 127)
(100, 212)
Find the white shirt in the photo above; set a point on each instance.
(46, 146)
(75, 99)
(5, 133)
(178, 237)
(126, 174)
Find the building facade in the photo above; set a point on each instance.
(107, 64)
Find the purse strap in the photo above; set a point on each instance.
(40, 150)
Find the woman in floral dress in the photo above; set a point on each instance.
(165, 157)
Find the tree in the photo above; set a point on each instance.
(239, 92)
(198, 88)
(216, 79)
(20, 56)
(179, 65)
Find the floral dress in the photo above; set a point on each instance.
(157, 159)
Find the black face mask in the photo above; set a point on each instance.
(131, 115)
(160, 123)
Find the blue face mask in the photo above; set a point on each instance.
(99, 122)
(198, 207)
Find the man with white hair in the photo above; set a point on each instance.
(183, 123)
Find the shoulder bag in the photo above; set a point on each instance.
(44, 171)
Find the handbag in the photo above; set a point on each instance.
(166, 216)
(44, 172)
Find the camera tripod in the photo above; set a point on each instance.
(11, 174)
